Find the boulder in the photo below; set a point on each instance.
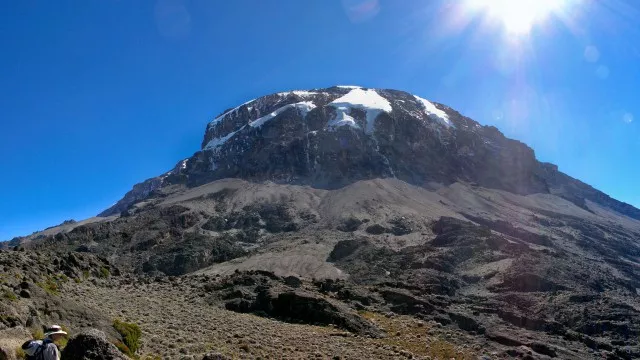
(345, 248)
(293, 281)
(376, 229)
(467, 323)
(350, 224)
(403, 302)
(91, 344)
(301, 307)
(543, 349)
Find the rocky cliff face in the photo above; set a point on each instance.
(329, 138)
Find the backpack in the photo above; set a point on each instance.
(33, 349)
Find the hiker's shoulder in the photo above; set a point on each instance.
(49, 345)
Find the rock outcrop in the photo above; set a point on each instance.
(91, 344)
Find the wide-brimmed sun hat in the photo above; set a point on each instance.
(53, 330)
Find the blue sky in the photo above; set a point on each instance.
(98, 95)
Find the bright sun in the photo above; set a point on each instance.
(517, 16)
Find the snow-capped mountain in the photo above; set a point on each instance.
(331, 137)
(335, 200)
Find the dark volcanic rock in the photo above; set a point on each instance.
(308, 308)
(215, 356)
(528, 283)
(192, 253)
(467, 323)
(345, 248)
(376, 229)
(265, 294)
(405, 303)
(350, 224)
(508, 229)
(400, 226)
(504, 339)
(303, 307)
(91, 344)
(543, 349)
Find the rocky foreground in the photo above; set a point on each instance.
(185, 317)
(257, 314)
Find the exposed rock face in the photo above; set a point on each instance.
(91, 344)
(266, 294)
(139, 191)
(332, 137)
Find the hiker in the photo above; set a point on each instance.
(45, 349)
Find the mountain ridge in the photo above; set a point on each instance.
(288, 123)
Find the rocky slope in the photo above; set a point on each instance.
(369, 223)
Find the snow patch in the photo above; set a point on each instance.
(303, 107)
(301, 93)
(342, 119)
(434, 113)
(367, 100)
(349, 87)
(181, 165)
(217, 142)
(235, 109)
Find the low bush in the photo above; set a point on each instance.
(9, 295)
(50, 286)
(130, 333)
(123, 348)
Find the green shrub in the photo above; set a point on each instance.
(62, 343)
(104, 273)
(123, 348)
(50, 286)
(9, 295)
(20, 354)
(130, 333)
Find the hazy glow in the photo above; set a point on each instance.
(517, 16)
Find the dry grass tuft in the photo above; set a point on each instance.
(412, 336)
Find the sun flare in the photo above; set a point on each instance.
(517, 16)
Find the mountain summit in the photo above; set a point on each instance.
(329, 138)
